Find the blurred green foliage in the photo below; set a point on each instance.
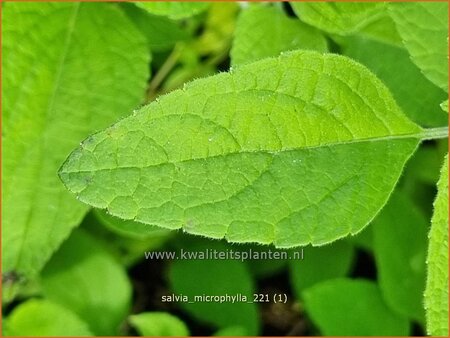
(71, 69)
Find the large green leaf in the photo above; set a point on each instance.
(174, 9)
(61, 82)
(82, 277)
(209, 277)
(339, 17)
(37, 317)
(418, 97)
(436, 293)
(423, 27)
(158, 324)
(263, 31)
(303, 148)
(345, 307)
(399, 239)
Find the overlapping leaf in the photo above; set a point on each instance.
(263, 31)
(83, 278)
(79, 83)
(436, 293)
(423, 27)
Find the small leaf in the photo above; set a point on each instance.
(158, 324)
(342, 18)
(199, 277)
(399, 237)
(161, 32)
(345, 307)
(264, 31)
(319, 264)
(84, 278)
(436, 292)
(291, 150)
(50, 104)
(37, 317)
(423, 27)
(415, 94)
(175, 9)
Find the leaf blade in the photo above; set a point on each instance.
(424, 30)
(44, 103)
(263, 31)
(268, 147)
(38, 317)
(436, 291)
(79, 278)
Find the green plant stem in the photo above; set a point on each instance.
(434, 133)
(165, 69)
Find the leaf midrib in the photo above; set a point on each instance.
(418, 136)
(70, 31)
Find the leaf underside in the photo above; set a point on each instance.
(303, 148)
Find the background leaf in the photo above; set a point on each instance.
(175, 9)
(345, 307)
(80, 83)
(337, 17)
(85, 279)
(158, 324)
(196, 277)
(399, 237)
(161, 33)
(415, 94)
(436, 293)
(264, 31)
(423, 27)
(297, 153)
(37, 317)
(321, 263)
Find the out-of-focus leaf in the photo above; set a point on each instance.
(36, 318)
(424, 166)
(363, 239)
(400, 237)
(342, 18)
(161, 32)
(92, 68)
(345, 307)
(423, 27)
(383, 30)
(158, 324)
(321, 263)
(416, 95)
(236, 331)
(197, 277)
(174, 9)
(264, 31)
(436, 292)
(84, 278)
(267, 266)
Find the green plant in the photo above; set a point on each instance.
(327, 131)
